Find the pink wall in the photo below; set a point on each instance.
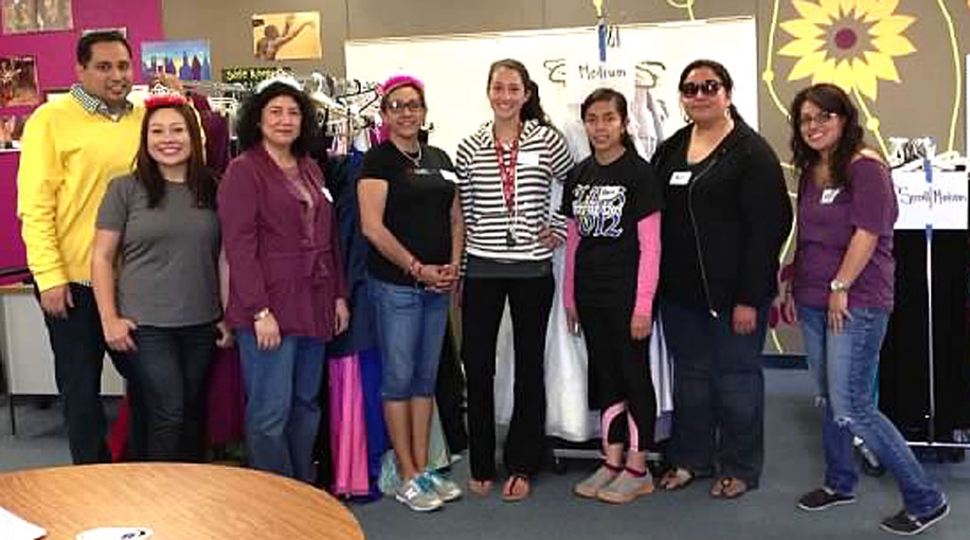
(55, 65)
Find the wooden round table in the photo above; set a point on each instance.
(176, 501)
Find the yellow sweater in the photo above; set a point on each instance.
(67, 158)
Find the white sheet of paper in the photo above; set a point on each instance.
(15, 528)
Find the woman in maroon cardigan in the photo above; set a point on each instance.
(287, 295)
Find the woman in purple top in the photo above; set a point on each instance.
(843, 289)
(287, 295)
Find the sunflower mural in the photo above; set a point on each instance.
(854, 44)
(851, 43)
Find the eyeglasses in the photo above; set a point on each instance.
(401, 106)
(709, 88)
(807, 120)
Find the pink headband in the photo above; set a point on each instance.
(397, 81)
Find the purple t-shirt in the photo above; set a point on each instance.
(826, 222)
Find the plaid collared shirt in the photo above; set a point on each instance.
(96, 105)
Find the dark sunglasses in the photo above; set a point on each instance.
(709, 88)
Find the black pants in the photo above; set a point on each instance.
(620, 369)
(79, 348)
(171, 366)
(483, 302)
(719, 393)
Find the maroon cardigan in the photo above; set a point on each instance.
(275, 260)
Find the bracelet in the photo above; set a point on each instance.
(414, 269)
(262, 314)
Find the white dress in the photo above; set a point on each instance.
(568, 415)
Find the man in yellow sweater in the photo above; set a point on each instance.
(71, 148)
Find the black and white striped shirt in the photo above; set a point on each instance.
(543, 158)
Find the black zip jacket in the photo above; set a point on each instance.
(724, 230)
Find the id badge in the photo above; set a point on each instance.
(829, 195)
(680, 178)
(530, 159)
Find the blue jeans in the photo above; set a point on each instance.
(719, 393)
(171, 366)
(411, 325)
(844, 367)
(282, 411)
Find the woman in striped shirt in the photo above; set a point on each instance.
(506, 170)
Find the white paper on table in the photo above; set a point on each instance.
(15, 528)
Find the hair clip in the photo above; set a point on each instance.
(163, 96)
(282, 77)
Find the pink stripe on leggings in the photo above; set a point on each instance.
(609, 415)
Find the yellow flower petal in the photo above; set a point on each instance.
(825, 73)
(862, 8)
(894, 45)
(831, 8)
(865, 78)
(807, 65)
(801, 47)
(882, 66)
(848, 6)
(812, 12)
(802, 29)
(880, 9)
(892, 25)
(843, 76)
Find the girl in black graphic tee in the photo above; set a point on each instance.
(612, 203)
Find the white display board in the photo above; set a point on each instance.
(455, 67)
(942, 203)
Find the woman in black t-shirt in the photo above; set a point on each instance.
(612, 203)
(411, 217)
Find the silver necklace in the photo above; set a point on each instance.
(414, 160)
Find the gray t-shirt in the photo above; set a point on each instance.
(169, 262)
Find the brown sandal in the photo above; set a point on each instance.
(728, 488)
(511, 494)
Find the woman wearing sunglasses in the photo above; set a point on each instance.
(412, 219)
(843, 288)
(727, 216)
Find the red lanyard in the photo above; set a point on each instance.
(507, 172)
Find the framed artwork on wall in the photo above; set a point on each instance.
(25, 16)
(18, 81)
(190, 60)
(287, 36)
(11, 129)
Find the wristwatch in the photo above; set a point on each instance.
(838, 286)
(262, 314)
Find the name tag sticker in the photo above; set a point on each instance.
(829, 195)
(529, 158)
(680, 178)
(449, 176)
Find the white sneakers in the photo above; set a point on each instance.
(427, 492)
